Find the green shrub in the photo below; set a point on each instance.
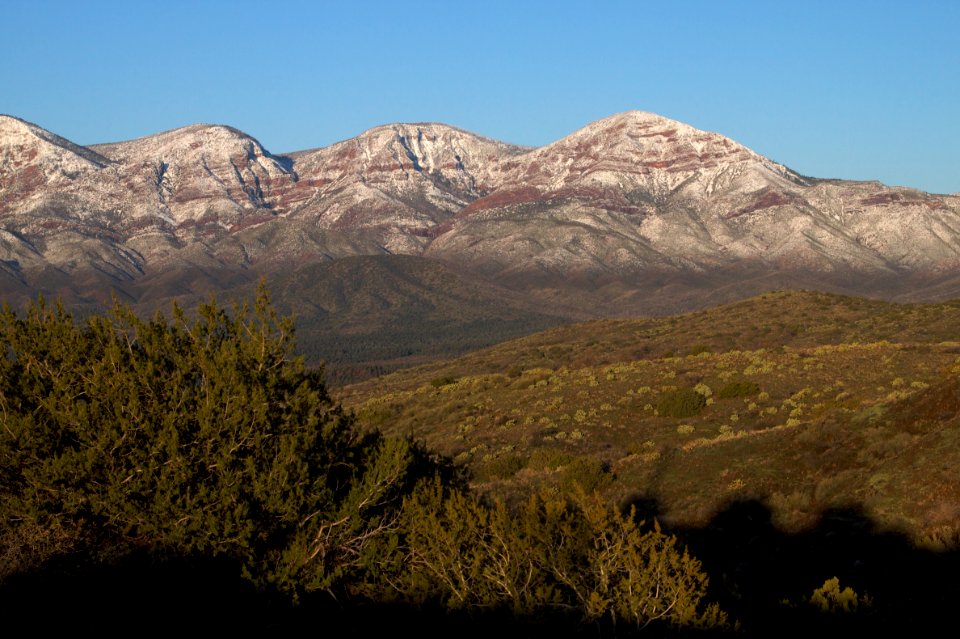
(683, 402)
(548, 459)
(738, 389)
(698, 349)
(586, 472)
(500, 467)
(443, 381)
(199, 437)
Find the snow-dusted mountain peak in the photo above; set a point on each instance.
(632, 118)
(206, 140)
(661, 139)
(24, 138)
(436, 130)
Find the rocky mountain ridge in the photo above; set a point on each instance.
(639, 212)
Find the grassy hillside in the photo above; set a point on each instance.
(805, 402)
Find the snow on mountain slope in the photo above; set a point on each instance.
(632, 195)
(399, 181)
(637, 191)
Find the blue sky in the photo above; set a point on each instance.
(857, 90)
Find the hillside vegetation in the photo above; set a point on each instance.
(782, 466)
(367, 315)
(804, 401)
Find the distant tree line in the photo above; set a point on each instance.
(350, 357)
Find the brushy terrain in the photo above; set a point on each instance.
(150, 466)
(805, 446)
(803, 401)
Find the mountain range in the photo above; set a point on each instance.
(632, 214)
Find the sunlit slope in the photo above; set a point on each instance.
(806, 401)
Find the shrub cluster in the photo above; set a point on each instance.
(683, 402)
(440, 382)
(551, 554)
(738, 389)
(188, 437)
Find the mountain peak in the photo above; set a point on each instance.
(632, 122)
(197, 144)
(405, 126)
(31, 139)
(638, 117)
(647, 151)
(186, 136)
(432, 128)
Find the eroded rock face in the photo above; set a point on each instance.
(398, 182)
(622, 198)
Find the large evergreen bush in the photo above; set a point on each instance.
(195, 436)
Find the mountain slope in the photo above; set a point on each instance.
(635, 213)
(367, 315)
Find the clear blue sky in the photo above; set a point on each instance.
(858, 90)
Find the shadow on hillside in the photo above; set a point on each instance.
(765, 578)
(761, 576)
